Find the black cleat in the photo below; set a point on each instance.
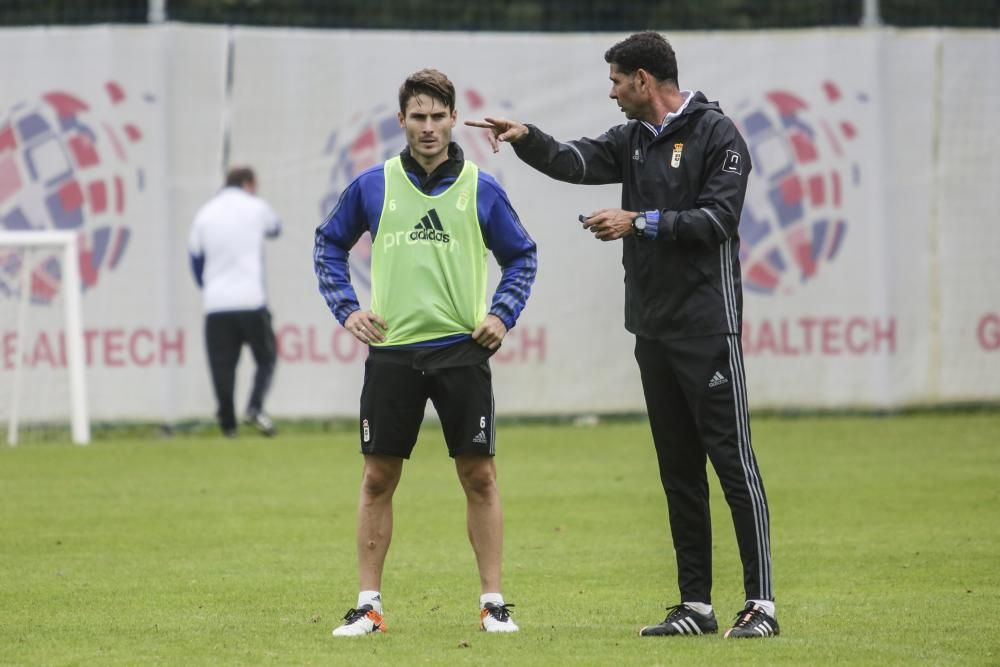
(682, 620)
(753, 622)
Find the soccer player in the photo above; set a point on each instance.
(226, 247)
(683, 167)
(433, 216)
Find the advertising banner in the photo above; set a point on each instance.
(866, 238)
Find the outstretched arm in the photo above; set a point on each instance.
(586, 161)
(500, 129)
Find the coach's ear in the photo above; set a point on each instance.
(643, 80)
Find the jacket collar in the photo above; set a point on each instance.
(449, 169)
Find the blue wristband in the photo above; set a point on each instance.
(652, 224)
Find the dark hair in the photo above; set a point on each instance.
(646, 50)
(428, 82)
(240, 176)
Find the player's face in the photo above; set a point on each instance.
(428, 124)
(625, 91)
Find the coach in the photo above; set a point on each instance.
(684, 168)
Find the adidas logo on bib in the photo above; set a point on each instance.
(430, 229)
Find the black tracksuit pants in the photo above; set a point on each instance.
(697, 404)
(225, 335)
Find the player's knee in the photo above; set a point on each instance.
(480, 481)
(377, 482)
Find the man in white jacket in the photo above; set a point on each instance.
(226, 247)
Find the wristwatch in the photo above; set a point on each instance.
(639, 225)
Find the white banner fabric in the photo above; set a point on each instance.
(867, 235)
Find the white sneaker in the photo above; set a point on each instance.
(496, 618)
(261, 422)
(359, 622)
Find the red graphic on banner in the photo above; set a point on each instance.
(63, 165)
(794, 221)
(988, 332)
(107, 348)
(311, 345)
(827, 336)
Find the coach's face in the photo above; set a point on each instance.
(626, 91)
(428, 124)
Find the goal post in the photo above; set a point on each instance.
(66, 243)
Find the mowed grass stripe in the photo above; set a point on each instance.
(198, 550)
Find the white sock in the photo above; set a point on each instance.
(700, 607)
(495, 598)
(370, 597)
(766, 606)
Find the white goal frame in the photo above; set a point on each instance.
(67, 241)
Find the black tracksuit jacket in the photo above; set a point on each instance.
(685, 282)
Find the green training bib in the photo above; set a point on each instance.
(428, 259)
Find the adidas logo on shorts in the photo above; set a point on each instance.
(480, 439)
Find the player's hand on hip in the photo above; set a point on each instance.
(366, 326)
(500, 129)
(609, 224)
(490, 332)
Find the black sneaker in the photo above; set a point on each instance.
(261, 422)
(753, 622)
(682, 620)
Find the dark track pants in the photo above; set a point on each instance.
(697, 403)
(225, 335)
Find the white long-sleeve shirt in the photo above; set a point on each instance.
(227, 244)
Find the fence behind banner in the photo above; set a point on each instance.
(522, 15)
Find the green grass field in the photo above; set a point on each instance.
(195, 550)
